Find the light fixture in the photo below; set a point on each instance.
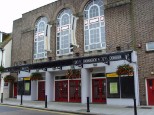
(44, 69)
(59, 67)
(152, 73)
(49, 58)
(118, 48)
(94, 64)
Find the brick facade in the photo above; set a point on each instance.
(127, 22)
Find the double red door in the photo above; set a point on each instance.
(150, 89)
(41, 90)
(61, 91)
(99, 90)
(75, 90)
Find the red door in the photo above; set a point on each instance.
(41, 90)
(15, 90)
(75, 90)
(61, 91)
(150, 86)
(99, 90)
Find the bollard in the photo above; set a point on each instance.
(45, 101)
(135, 108)
(21, 100)
(88, 109)
(1, 97)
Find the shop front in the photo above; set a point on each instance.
(94, 77)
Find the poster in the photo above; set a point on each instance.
(113, 88)
(27, 86)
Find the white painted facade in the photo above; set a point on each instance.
(86, 81)
(6, 62)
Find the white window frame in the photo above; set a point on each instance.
(87, 27)
(59, 30)
(147, 48)
(36, 37)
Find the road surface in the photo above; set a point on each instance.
(15, 110)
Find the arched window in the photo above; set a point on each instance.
(64, 25)
(94, 26)
(39, 38)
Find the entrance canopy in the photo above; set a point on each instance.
(104, 58)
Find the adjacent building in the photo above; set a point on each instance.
(77, 46)
(5, 61)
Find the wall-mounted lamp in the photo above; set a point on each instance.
(54, 68)
(24, 62)
(44, 69)
(139, 45)
(80, 65)
(49, 58)
(59, 68)
(37, 70)
(118, 48)
(94, 64)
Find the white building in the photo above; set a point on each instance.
(5, 61)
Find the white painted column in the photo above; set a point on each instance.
(49, 86)
(34, 90)
(85, 85)
(136, 83)
(136, 78)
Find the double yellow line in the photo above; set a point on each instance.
(41, 110)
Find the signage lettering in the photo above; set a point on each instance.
(117, 57)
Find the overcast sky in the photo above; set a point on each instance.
(13, 9)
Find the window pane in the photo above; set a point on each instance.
(94, 36)
(64, 42)
(101, 10)
(40, 46)
(41, 27)
(86, 14)
(65, 20)
(40, 38)
(95, 25)
(103, 34)
(94, 11)
(150, 46)
(98, 2)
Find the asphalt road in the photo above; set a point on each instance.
(14, 110)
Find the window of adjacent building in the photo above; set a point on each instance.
(1, 36)
(150, 46)
(64, 24)
(39, 38)
(94, 26)
(120, 87)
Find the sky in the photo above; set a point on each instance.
(11, 10)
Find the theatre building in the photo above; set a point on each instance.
(78, 48)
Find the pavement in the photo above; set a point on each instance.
(78, 108)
